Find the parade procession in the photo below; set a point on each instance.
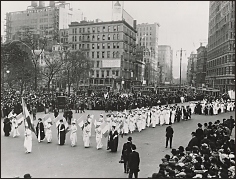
(107, 89)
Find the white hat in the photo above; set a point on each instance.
(101, 115)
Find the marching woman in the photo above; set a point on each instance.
(98, 131)
(113, 139)
(131, 123)
(139, 122)
(143, 120)
(162, 112)
(73, 135)
(40, 132)
(48, 132)
(86, 133)
(167, 115)
(15, 127)
(61, 133)
(28, 140)
(7, 126)
(153, 118)
(173, 115)
(126, 124)
(148, 114)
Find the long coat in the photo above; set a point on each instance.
(61, 134)
(40, 132)
(113, 141)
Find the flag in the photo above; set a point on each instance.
(20, 118)
(47, 119)
(105, 131)
(81, 124)
(10, 115)
(28, 121)
(57, 119)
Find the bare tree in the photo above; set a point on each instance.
(36, 41)
(53, 64)
(77, 66)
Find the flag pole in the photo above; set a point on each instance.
(23, 111)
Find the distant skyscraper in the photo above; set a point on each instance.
(165, 61)
(148, 36)
(221, 56)
(40, 17)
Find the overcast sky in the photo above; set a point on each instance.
(183, 24)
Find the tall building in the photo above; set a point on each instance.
(148, 36)
(165, 64)
(201, 66)
(111, 46)
(221, 46)
(192, 69)
(45, 19)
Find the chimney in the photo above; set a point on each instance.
(134, 24)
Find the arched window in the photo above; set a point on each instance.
(117, 54)
(114, 36)
(114, 54)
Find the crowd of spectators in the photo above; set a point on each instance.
(11, 99)
(209, 154)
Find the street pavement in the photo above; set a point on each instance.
(49, 160)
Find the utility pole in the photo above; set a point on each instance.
(180, 74)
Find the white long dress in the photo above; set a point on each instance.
(153, 119)
(48, 132)
(162, 117)
(139, 123)
(28, 140)
(167, 115)
(86, 135)
(131, 124)
(15, 128)
(215, 109)
(143, 122)
(126, 126)
(173, 116)
(222, 108)
(73, 135)
(99, 137)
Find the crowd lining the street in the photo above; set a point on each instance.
(209, 154)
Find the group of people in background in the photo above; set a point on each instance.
(209, 154)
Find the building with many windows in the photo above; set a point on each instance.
(148, 36)
(111, 46)
(201, 66)
(165, 64)
(47, 19)
(221, 56)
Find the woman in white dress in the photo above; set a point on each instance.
(153, 118)
(139, 122)
(73, 135)
(28, 140)
(131, 123)
(126, 125)
(173, 115)
(167, 115)
(162, 116)
(98, 131)
(86, 133)
(48, 132)
(143, 122)
(15, 127)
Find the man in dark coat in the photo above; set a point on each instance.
(194, 141)
(134, 162)
(7, 126)
(169, 136)
(199, 133)
(113, 140)
(82, 107)
(126, 152)
(61, 133)
(40, 132)
(34, 112)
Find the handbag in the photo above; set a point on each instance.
(122, 159)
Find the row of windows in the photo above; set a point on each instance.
(102, 73)
(98, 37)
(222, 60)
(222, 71)
(144, 28)
(96, 29)
(221, 50)
(105, 54)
